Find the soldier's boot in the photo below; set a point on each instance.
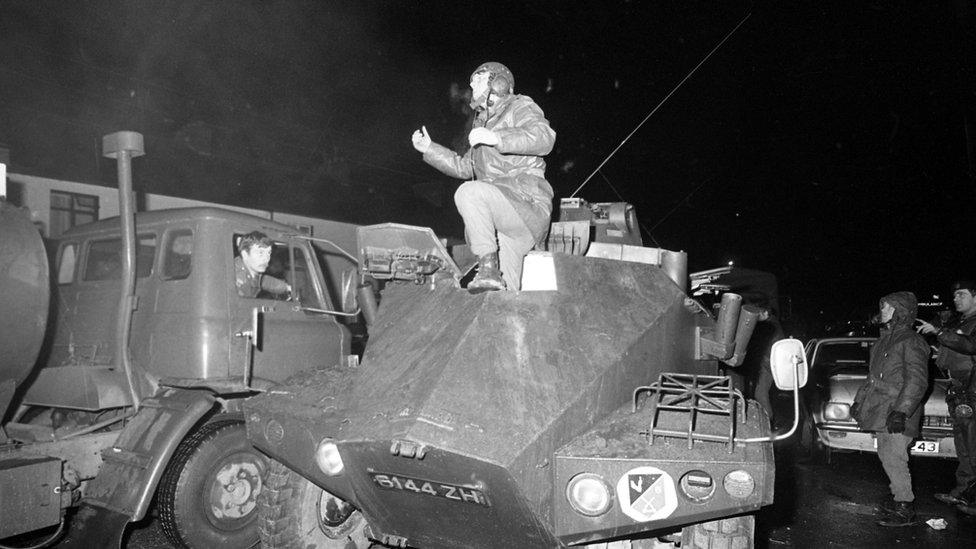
(886, 506)
(950, 498)
(489, 276)
(903, 514)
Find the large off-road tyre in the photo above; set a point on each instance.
(208, 495)
(730, 533)
(296, 514)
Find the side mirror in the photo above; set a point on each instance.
(348, 291)
(788, 360)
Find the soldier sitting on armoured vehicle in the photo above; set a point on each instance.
(250, 267)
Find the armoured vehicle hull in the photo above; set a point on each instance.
(471, 418)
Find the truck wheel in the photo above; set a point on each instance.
(208, 495)
(730, 533)
(296, 514)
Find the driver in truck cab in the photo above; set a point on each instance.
(255, 248)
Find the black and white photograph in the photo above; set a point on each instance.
(419, 274)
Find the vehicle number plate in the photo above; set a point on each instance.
(461, 494)
(920, 447)
(925, 447)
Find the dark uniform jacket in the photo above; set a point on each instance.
(898, 377)
(249, 285)
(957, 350)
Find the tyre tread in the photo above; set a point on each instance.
(169, 518)
(728, 533)
(273, 527)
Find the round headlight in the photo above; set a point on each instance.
(589, 495)
(739, 484)
(327, 457)
(837, 411)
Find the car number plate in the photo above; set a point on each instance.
(920, 447)
(925, 447)
(454, 492)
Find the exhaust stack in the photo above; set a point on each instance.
(124, 146)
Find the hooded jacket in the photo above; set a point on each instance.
(898, 377)
(515, 165)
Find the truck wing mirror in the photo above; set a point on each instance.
(348, 291)
(354, 299)
(788, 362)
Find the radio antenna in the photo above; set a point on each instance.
(663, 101)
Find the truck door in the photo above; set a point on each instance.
(291, 339)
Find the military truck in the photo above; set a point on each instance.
(137, 390)
(587, 409)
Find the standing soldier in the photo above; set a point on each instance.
(957, 353)
(768, 331)
(507, 204)
(890, 402)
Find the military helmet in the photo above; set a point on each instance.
(500, 79)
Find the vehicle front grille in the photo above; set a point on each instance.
(943, 422)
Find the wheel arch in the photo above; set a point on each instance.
(133, 466)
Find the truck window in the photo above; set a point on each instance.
(304, 288)
(288, 276)
(104, 260)
(178, 254)
(66, 263)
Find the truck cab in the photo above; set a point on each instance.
(198, 348)
(189, 318)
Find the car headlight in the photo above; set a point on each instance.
(589, 495)
(327, 457)
(837, 411)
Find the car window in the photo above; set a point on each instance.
(842, 358)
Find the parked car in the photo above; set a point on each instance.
(838, 367)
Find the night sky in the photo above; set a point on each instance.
(828, 142)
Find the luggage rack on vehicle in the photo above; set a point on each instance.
(692, 407)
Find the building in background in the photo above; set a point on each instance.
(56, 206)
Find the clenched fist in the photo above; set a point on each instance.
(421, 140)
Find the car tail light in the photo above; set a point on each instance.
(837, 411)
